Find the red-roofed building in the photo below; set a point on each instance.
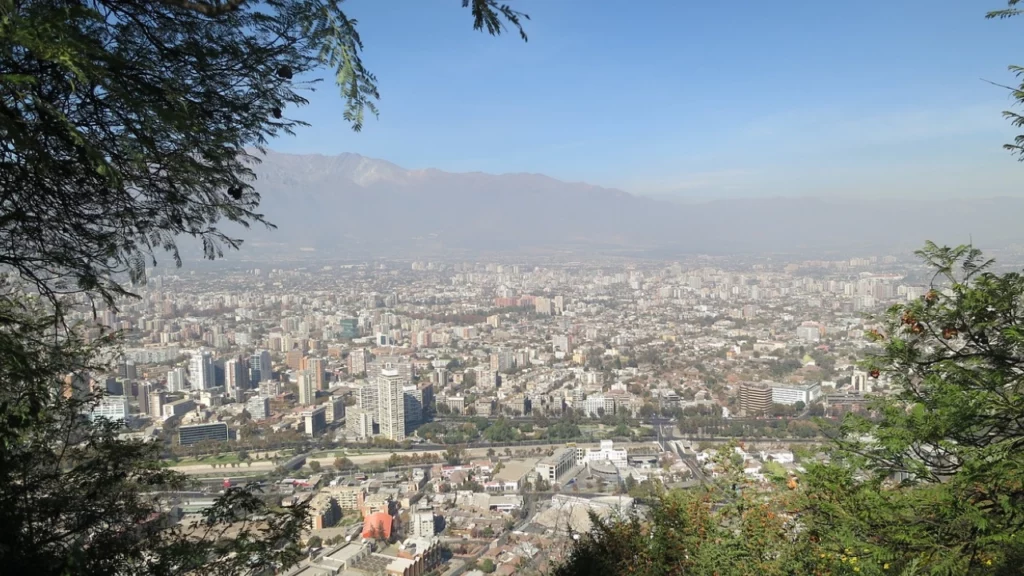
(377, 526)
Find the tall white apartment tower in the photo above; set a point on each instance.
(307, 387)
(200, 370)
(391, 400)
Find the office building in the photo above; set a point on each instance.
(391, 400)
(315, 420)
(555, 466)
(755, 399)
(127, 369)
(112, 408)
(260, 369)
(157, 400)
(145, 389)
(179, 408)
(413, 398)
(606, 453)
(258, 408)
(349, 328)
(236, 376)
(307, 388)
(358, 423)
(790, 394)
(335, 409)
(215, 432)
(200, 370)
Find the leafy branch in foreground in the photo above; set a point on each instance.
(126, 124)
(75, 498)
(929, 481)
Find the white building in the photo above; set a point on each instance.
(307, 387)
(790, 394)
(176, 381)
(200, 370)
(606, 453)
(113, 408)
(258, 407)
(555, 466)
(423, 523)
(391, 400)
(358, 423)
(809, 332)
(236, 377)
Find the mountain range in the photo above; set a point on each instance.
(352, 206)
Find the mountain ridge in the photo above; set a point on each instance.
(353, 204)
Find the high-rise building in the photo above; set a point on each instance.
(369, 399)
(318, 368)
(413, 398)
(236, 376)
(127, 369)
(358, 360)
(335, 409)
(502, 360)
(176, 380)
(349, 328)
(391, 400)
(542, 306)
(401, 364)
(200, 370)
(316, 420)
(260, 369)
(258, 408)
(145, 389)
(307, 388)
(486, 379)
(156, 404)
(293, 358)
(755, 399)
(358, 423)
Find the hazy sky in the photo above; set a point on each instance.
(749, 97)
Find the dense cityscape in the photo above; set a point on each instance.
(470, 416)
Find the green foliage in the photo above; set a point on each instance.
(930, 481)
(487, 565)
(564, 429)
(501, 431)
(454, 455)
(75, 498)
(126, 124)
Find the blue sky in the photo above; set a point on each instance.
(741, 98)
